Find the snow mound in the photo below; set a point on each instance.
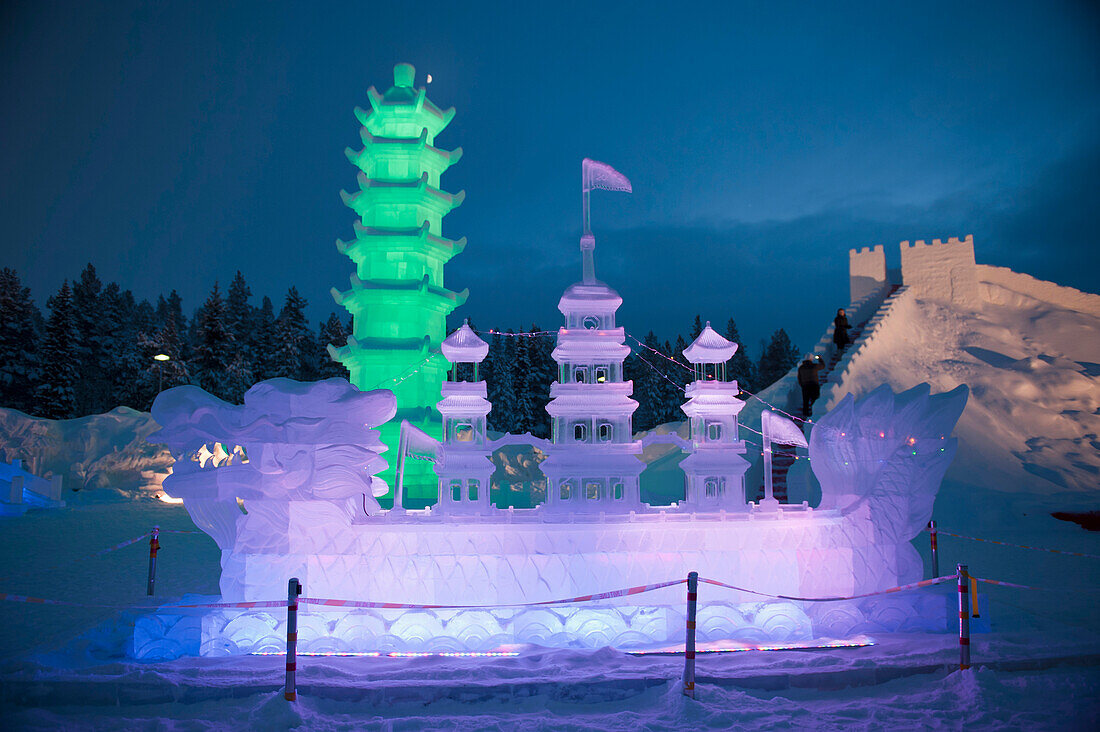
(1030, 353)
(102, 456)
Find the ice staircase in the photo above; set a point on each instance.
(784, 456)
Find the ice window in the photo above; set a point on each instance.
(472, 486)
(714, 431)
(617, 491)
(464, 432)
(592, 490)
(591, 322)
(565, 491)
(712, 488)
(601, 374)
(605, 432)
(456, 491)
(580, 374)
(580, 432)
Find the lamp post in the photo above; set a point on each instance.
(161, 358)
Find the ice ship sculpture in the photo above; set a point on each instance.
(301, 460)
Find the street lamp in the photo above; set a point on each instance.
(161, 357)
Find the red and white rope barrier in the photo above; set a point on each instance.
(410, 606)
(913, 586)
(1018, 546)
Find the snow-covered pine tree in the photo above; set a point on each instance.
(239, 312)
(149, 374)
(175, 307)
(18, 343)
(116, 329)
(504, 405)
(89, 385)
(238, 378)
(292, 339)
(648, 390)
(777, 357)
(696, 327)
(331, 332)
(212, 345)
(739, 368)
(669, 397)
(488, 372)
(54, 395)
(262, 341)
(681, 374)
(524, 419)
(544, 371)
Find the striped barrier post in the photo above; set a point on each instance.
(964, 618)
(154, 546)
(294, 588)
(689, 638)
(935, 549)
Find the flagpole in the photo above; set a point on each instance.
(586, 207)
(769, 501)
(588, 242)
(399, 491)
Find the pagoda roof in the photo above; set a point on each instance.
(401, 238)
(421, 142)
(588, 297)
(592, 349)
(464, 346)
(710, 347)
(411, 143)
(403, 94)
(724, 458)
(369, 187)
(420, 286)
(355, 347)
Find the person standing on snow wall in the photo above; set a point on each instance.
(810, 382)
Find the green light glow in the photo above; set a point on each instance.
(397, 297)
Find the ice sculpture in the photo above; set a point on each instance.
(293, 450)
(883, 457)
(302, 459)
(714, 472)
(398, 298)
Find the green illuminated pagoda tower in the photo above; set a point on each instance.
(397, 298)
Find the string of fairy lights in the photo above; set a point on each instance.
(415, 368)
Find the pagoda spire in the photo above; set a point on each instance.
(397, 298)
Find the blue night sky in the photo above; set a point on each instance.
(171, 144)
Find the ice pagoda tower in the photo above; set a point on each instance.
(466, 467)
(591, 465)
(397, 298)
(714, 472)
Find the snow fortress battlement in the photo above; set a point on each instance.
(944, 271)
(866, 272)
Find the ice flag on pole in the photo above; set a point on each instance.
(419, 445)
(781, 430)
(597, 175)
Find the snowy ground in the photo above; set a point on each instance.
(1028, 448)
(1038, 669)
